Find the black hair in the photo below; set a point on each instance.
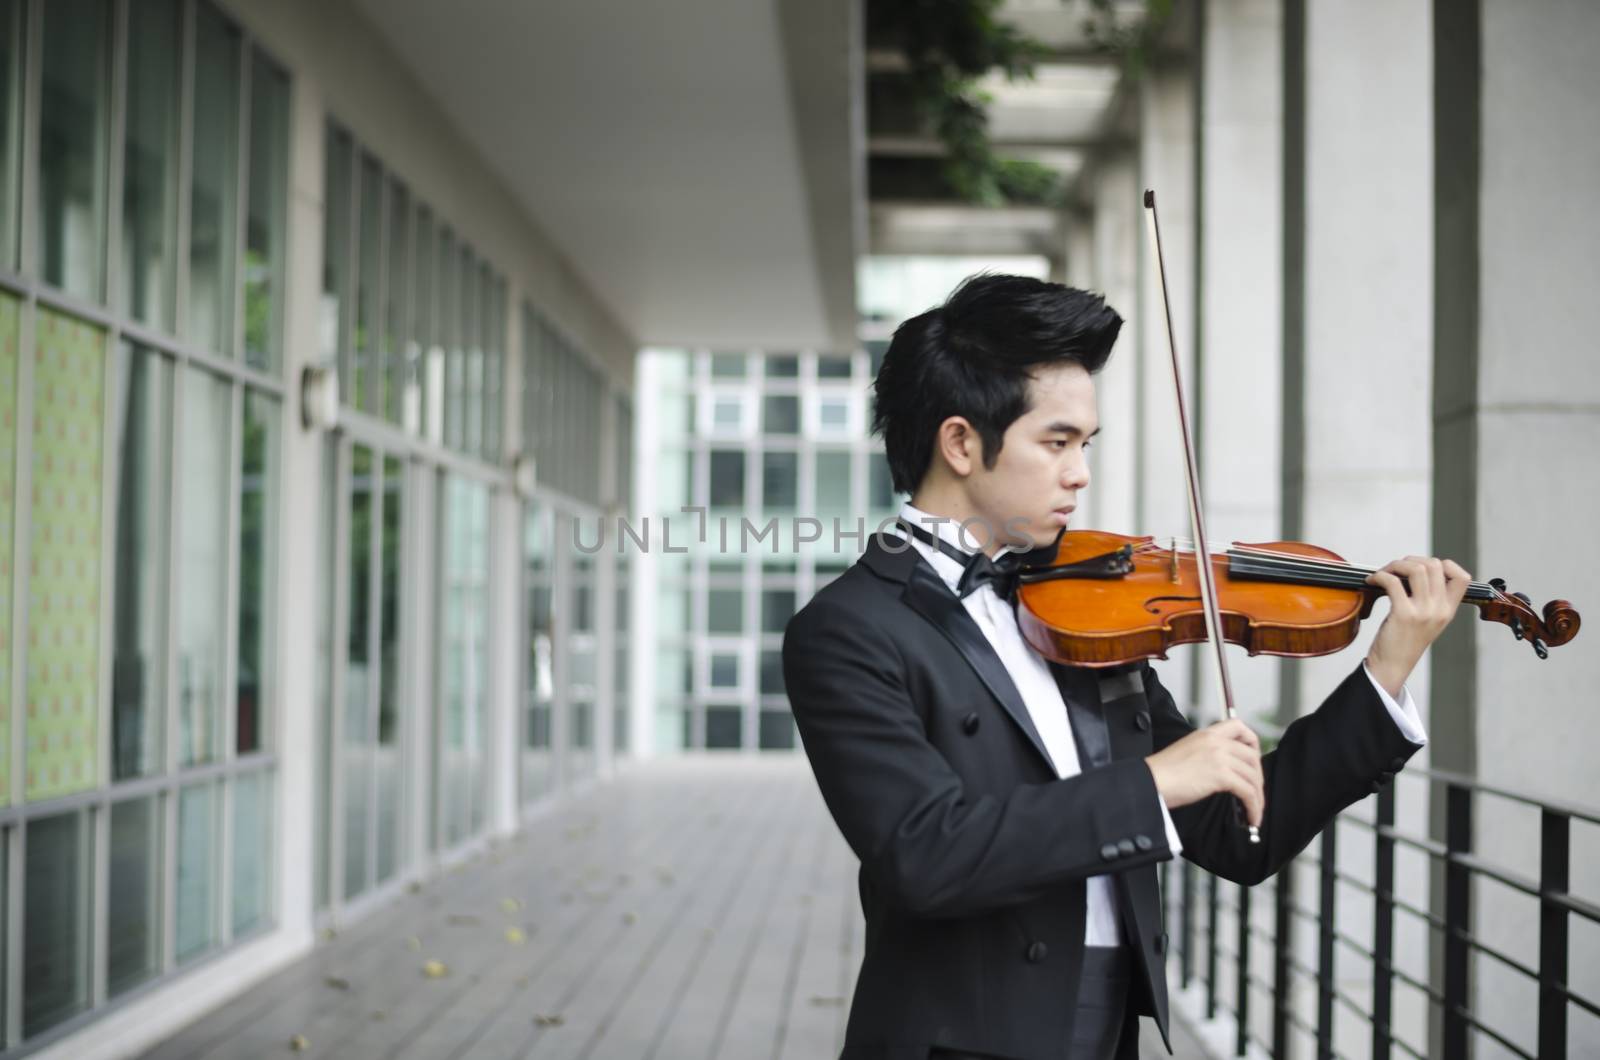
(973, 357)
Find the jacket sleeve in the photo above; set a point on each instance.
(928, 845)
(1328, 760)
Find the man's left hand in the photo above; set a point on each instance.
(1416, 618)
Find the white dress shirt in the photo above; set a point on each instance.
(1031, 674)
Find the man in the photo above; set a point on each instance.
(1009, 813)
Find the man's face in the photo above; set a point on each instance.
(1042, 465)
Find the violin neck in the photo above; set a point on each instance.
(1260, 565)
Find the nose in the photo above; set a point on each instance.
(1075, 476)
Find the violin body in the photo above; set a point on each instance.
(1109, 599)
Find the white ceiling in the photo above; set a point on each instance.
(693, 159)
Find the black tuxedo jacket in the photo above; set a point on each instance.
(974, 854)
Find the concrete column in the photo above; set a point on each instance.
(1166, 165)
(1115, 273)
(301, 524)
(1516, 421)
(1240, 364)
(1360, 364)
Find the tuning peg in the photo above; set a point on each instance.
(1498, 584)
(1539, 649)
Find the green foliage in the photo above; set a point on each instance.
(950, 44)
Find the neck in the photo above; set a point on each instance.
(950, 503)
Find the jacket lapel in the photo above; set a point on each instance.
(931, 598)
(1086, 715)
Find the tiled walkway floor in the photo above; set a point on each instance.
(693, 909)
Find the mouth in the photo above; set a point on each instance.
(1060, 515)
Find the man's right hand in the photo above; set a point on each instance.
(1225, 757)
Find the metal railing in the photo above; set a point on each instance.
(1204, 957)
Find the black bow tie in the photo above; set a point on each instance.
(978, 569)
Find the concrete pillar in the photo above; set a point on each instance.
(301, 525)
(1239, 353)
(1359, 194)
(1516, 421)
(1115, 273)
(1166, 165)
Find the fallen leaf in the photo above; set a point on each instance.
(299, 1043)
(413, 943)
(335, 982)
(510, 905)
(549, 1021)
(462, 920)
(435, 969)
(827, 1002)
(515, 936)
(379, 1015)
(630, 918)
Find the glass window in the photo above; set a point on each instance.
(780, 414)
(780, 475)
(777, 607)
(333, 318)
(777, 730)
(9, 314)
(386, 758)
(724, 728)
(63, 664)
(144, 409)
(883, 495)
(538, 763)
(772, 673)
(150, 163)
(252, 850)
(724, 670)
(396, 287)
(357, 737)
(725, 611)
(258, 490)
(727, 478)
(73, 120)
(369, 242)
(55, 945)
(782, 366)
(214, 185)
(463, 655)
(727, 415)
(833, 415)
(11, 66)
(202, 562)
(727, 365)
(875, 350)
(197, 883)
(833, 483)
(133, 897)
(266, 225)
(830, 366)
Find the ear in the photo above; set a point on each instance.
(959, 445)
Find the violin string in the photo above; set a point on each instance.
(1346, 574)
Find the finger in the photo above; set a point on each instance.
(1436, 590)
(1243, 786)
(1457, 581)
(1239, 732)
(1390, 583)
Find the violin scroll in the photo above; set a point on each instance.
(1557, 624)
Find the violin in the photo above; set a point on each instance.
(1109, 599)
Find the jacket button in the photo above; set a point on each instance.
(969, 724)
(1125, 846)
(1142, 842)
(1108, 852)
(1142, 720)
(1161, 943)
(1037, 951)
